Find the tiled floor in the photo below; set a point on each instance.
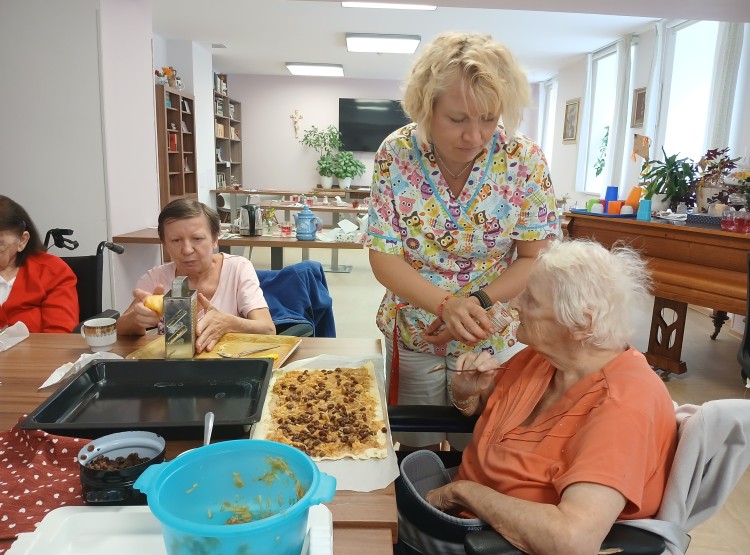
(713, 373)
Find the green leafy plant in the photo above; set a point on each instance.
(326, 165)
(346, 165)
(601, 161)
(325, 142)
(675, 178)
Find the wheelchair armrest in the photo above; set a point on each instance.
(109, 313)
(429, 418)
(297, 330)
(626, 538)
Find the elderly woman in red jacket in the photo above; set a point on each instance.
(36, 288)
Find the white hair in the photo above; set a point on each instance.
(596, 289)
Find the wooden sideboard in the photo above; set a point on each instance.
(690, 264)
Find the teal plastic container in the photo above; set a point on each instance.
(195, 495)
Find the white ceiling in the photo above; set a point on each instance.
(261, 35)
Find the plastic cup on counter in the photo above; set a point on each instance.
(614, 206)
(626, 210)
(590, 204)
(597, 208)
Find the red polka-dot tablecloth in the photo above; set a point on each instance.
(38, 473)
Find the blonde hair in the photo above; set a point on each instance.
(494, 80)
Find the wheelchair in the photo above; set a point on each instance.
(89, 271)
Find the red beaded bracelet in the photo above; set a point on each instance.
(442, 305)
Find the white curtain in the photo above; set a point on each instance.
(619, 130)
(727, 63)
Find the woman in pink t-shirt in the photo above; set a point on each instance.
(228, 288)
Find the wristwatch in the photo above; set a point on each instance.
(484, 298)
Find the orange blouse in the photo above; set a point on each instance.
(615, 427)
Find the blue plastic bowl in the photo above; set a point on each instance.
(196, 494)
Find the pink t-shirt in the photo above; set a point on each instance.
(238, 291)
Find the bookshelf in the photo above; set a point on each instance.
(228, 135)
(175, 128)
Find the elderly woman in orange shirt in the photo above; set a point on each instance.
(575, 431)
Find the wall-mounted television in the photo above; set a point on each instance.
(365, 122)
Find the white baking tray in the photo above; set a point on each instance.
(128, 530)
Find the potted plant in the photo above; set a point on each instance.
(714, 168)
(324, 141)
(674, 178)
(346, 167)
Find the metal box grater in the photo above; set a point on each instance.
(180, 319)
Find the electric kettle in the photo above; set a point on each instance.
(251, 220)
(307, 224)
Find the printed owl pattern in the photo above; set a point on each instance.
(461, 243)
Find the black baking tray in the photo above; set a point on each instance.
(167, 397)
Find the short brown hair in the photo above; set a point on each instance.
(13, 217)
(184, 208)
(494, 79)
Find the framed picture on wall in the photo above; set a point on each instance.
(570, 123)
(639, 108)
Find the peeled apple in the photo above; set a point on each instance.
(155, 303)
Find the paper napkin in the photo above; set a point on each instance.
(70, 368)
(13, 335)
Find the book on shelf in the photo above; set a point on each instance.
(167, 99)
(219, 107)
(220, 130)
(187, 165)
(185, 106)
(234, 133)
(185, 127)
(231, 110)
(172, 142)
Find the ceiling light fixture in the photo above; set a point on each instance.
(382, 44)
(383, 5)
(315, 70)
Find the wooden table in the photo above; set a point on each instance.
(690, 264)
(336, 212)
(150, 236)
(362, 522)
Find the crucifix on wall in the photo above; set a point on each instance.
(296, 117)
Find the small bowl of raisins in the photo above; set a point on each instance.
(111, 464)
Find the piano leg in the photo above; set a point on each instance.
(719, 317)
(665, 339)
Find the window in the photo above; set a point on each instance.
(688, 78)
(601, 117)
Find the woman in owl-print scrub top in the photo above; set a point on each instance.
(460, 203)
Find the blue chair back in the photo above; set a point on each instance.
(298, 294)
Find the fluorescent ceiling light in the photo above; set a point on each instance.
(386, 6)
(382, 44)
(317, 70)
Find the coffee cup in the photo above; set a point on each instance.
(597, 209)
(99, 333)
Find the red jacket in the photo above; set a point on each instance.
(43, 296)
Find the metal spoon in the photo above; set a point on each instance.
(208, 427)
